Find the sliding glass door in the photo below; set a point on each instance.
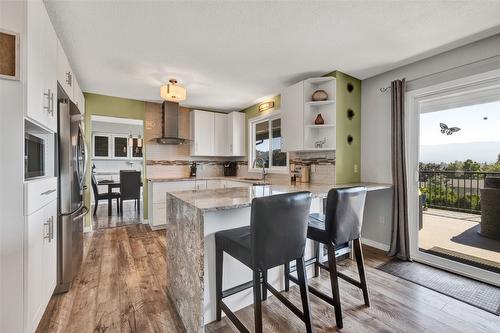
(453, 166)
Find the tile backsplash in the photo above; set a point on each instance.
(173, 161)
(322, 165)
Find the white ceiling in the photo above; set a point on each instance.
(230, 55)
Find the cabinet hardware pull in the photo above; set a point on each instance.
(51, 229)
(46, 234)
(69, 78)
(48, 192)
(51, 103)
(47, 94)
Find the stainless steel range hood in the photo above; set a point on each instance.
(170, 126)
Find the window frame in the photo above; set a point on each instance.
(110, 152)
(251, 143)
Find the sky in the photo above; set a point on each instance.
(470, 119)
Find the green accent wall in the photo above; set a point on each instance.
(253, 111)
(347, 155)
(102, 105)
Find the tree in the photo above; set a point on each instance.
(454, 166)
(470, 165)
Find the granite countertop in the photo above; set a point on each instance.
(240, 197)
(179, 179)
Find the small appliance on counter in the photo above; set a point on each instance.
(230, 169)
(192, 173)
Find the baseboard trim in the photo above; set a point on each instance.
(158, 227)
(375, 244)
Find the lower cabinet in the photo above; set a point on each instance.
(40, 262)
(158, 190)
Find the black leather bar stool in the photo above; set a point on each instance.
(342, 223)
(276, 235)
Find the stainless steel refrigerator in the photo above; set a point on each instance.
(71, 161)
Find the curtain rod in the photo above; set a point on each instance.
(388, 88)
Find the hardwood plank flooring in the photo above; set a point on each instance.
(121, 288)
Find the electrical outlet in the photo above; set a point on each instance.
(355, 168)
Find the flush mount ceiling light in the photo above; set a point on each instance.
(173, 92)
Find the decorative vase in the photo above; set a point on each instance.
(319, 120)
(319, 95)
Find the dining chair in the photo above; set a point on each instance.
(276, 235)
(130, 188)
(104, 196)
(341, 224)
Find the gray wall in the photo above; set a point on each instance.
(481, 56)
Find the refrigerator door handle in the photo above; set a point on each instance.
(85, 212)
(86, 157)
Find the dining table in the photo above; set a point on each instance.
(111, 185)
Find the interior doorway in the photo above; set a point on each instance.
(117, 164)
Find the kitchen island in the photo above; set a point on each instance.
(194, 217)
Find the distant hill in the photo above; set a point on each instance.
(477, 151)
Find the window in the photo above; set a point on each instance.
(101, 146)
(120, 146)
(266, 141)
(136, 150)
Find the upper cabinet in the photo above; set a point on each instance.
(64, 72)
(292, 119)
(78, 97)
(221, 146)
(68, 81)
(41, 67)
(236, 133)
(217, 134)
(202, 133)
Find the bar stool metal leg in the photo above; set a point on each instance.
(334, 281)
(361, 269)
(264, 284)
(317, 247)
(287, 276)
(304, 294)
(218, 280)
(257, 301)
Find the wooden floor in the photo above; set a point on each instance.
(121, 288)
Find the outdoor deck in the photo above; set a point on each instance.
(454, 235)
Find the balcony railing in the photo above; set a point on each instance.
(453, 190)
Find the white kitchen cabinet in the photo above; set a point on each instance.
(236, 133)
(41, 83)
(221, 143)
(78, 97)
(157, 195)
(213, 184)
(202, 132)
(40, 262)
(292, 117)
(217, 134)
(64, 72)
(232, 183)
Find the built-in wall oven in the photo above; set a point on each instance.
(34, 156)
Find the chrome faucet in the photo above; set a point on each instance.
(263, 167)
